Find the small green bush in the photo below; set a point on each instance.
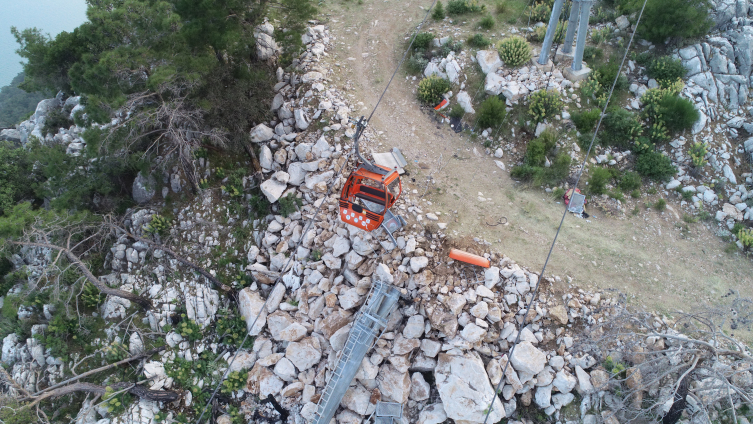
(462, 7)
(487, 22)
(598, 180)
(235, 381)
(478, 41)
(606, 73)
(629, 181)
(289, 204)
(635, 194)
(115, 403)
(158, 225)
(620, 128)
(189, 329)
(12, 412)
(697, 154)
(654, 165)
(592, 54)
(544, 105)
(423, 41)
(679, 114)
(457, 111)
(660, 205)
(559, 34)
(540, 11)
(491, 113)
(91, 296)
(586, 121)
(514, 51)
(55, 120)
(416, 64)
(232, 331)
(501, 7)
(598, 36)
(431, 89)
(745, 235)
(438, 13)
(671, 18)
(666, 68)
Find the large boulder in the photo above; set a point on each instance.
(266, 47)
(464, 100)
(144, 188)
(261, 133)
(249, 304)
(273, 189)
(528, 359)
(488, 60)
(493, 84)
(394, 385)
(304, 354)
(465, 389)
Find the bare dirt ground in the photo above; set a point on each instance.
(644, 256)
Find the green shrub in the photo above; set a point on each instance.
(235, 381)
(289, 204)
(540, 11)
(501, 7)
(666, 69)
(584, 140)
(586, 121)
(598, 180)
(478, 40)
(189, 329)
(591, 87)
(544, 105)
(431, 89)
(423, 41)
(671, 18)
(606, 73)
(487, 22)
(539, 175)
(629, 181)
(538, 149)
(91, 296)
(620, 128)
(697, 154)
(592, 54)
(679, 114)
(457, 111)
(635, 194)
(438, 13)
(158, 225)
(416, 64)
(745, 235)
(491, 113)
(12, 412)
(514, 51)
(598, 36)
(654, 165)
(462, 7)
(55, 120)
(232, 330)
(559, 34)
(660, 205)
(116, 403)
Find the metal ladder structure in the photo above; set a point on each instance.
(368, 327)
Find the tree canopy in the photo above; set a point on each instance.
(15, 103)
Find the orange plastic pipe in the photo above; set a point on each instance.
(470, 258)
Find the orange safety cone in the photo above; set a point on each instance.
(470, 258)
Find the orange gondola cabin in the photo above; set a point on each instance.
(367, 196)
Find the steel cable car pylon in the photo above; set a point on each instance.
(369, 193)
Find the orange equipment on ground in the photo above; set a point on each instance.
(369, 193)
(470, 258)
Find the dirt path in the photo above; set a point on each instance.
(645, 256)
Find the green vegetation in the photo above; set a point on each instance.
(478, 41)
(745, 235)
(559, 33)
(416, 64)
(655, 166)
(629, 182)
(697, 154)
(544, 105)
(585, 121)
(487, 22)
(438, 13)
(592, 54)
(666, 70)
(660, 205)
(431, 89)
(15, 103)
(540, 10)
(462, 7)
(598, 180)
(158, 225)
(232, 330)
(673, 19)
(514, 51)
(290, 204)
(188, 329)
(235, 381)
(457, 111)
(533, 168)
(423, 41)
(491, 112)
(620, 128)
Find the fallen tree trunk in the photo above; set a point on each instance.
(134, 389)
(139, 300)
